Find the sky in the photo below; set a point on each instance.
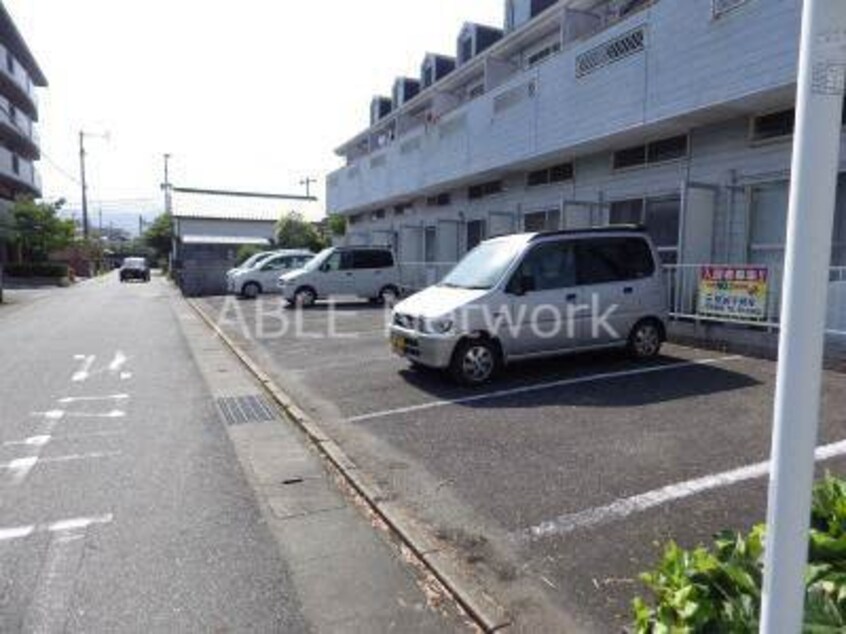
(254, 94)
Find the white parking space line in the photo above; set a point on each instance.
(48, 608)
(25, 465)
(76, 523)
(526, 389)
(623, 508)
(45, 439)
(80, 399)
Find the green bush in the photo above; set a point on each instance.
(718, 589)
(37, 269)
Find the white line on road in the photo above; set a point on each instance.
(76, 523)
(109, 397)
(118, 362)
(32, 441)
(542, 386)
(25, 465)
(48, 608)
(115, 413)
(45, 439)
(84, 370)
(622, 508)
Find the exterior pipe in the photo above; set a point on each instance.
(822, 74)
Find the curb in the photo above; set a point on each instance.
(478, 604)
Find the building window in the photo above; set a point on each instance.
(430, 244)
(660, 151)
(661, 216)
(774, 125)
(399, 210)
(377, 214)
(539, 6)
(533, 59)
(630, 157)
(537, 221)
(465, 49)
(483, 190)
(441, 200)
(355, 218)
(10, 63)
(475, 233)
(555, 174)
(16, 164)
(477, 90)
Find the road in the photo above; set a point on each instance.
(122, 506)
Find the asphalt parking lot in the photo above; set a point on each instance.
(557, 481)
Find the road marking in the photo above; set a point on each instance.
(84, 370)
(55, 415)
(542, 386)
(25, 465)
(78, 399)
(624, 507)
(125, 376)
(48, 608)
(118, 362)
(32, 441)
(20, 468)
(76, 523)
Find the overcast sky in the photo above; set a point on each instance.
(253, 94)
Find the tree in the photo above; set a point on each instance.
(245, 252)
(294, 232)
(160, 235)
(338, 225)
(37, 230)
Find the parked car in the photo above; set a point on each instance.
(134, 269)
(535, 295)
(368, 272)
(250, 262)
(262, 277)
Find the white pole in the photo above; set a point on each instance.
(816, 149)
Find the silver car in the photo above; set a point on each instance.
(535, 295)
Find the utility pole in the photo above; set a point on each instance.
(307, 182)
(140, 225)
(84, 187)
(100, 220)
(166, 183)
(816, 155)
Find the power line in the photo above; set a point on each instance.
(66, 173)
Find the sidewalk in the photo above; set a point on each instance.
(350, 575)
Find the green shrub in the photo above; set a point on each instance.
(51, 270)
(718, 589)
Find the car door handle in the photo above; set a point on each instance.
(628, 290)
(572, 297)
(349, 274)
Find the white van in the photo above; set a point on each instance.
(264, 275)
(534, 295)
(368, 272)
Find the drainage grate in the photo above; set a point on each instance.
(237, 410)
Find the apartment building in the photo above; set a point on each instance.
(677, 115)
(20, 76)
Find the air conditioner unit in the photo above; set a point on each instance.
(380, 107)
(474, 39)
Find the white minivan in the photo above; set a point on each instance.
(368, 272)
(263, 276)
(534, 295)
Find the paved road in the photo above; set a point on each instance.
(558, 484)
(122, 506)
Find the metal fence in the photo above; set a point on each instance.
(684, 286)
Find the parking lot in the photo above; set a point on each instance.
(556, 481)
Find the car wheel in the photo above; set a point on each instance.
(475, 361)
(305, 297)
(645, 339)
(389, 296)
(251, 290)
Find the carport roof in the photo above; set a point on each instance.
(225, 240)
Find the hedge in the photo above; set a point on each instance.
(718, 589)
(50, 270)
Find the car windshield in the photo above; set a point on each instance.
(318, 259)
(484, 266)
(134, 263)
(254, 259)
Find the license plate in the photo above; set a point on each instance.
(398, 344)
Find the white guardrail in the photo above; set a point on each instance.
(685, 289)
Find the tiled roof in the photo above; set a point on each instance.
(222, 207)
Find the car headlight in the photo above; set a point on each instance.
(435, 326)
